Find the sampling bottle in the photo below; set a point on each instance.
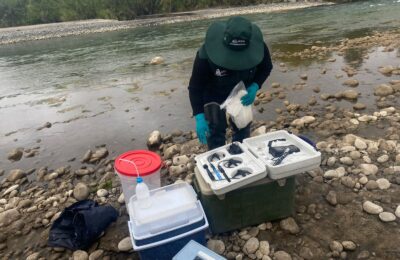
(142, 194)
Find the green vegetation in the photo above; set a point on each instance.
(23, 12)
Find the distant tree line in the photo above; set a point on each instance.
(22, 12)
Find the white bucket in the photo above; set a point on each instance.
(141, 163)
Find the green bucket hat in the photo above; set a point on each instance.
(236, 44)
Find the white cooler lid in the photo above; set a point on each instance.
(169, 204)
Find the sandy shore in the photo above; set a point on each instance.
(56, 30)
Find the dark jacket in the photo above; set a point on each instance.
(210, 82)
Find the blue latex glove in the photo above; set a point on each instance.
(249, 98)
(202, 128)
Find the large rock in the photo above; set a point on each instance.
(338, 173)
(125, 245)
(383, 90)
(305, 120)
(80, 255)
(289, 225)
(259, 131)
(86, 157)
(154, 139)
(372, 208)
(217, 246)
(251, 246)
(360, 144)
(15, 154)
(15, 174)
(386, 70)
(387, 216)
(175, 171)
(81, 191)
(9, 216)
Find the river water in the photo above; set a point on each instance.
(99, 89)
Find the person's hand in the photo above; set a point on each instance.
(202, 128)
(249, 98)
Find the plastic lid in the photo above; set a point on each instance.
(146, 162)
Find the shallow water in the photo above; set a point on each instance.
(98, 89)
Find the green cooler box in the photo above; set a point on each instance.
(253, 204)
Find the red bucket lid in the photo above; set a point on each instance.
(146, 162)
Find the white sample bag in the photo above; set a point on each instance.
(241, 115)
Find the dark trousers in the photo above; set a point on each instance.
(217, 123)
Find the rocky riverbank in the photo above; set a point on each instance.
(56, 30)
(346, 209)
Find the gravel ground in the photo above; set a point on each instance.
(55, 30)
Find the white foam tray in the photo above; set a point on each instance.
(308, 160)
(223, 186)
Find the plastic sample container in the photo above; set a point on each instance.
(174, 218)
(258, 202)
(172, 207)
(148, 165)
(193, 250)
(308, 158)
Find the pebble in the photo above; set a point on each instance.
(372, 208)
(10, 189)
(80, 255)
(177, 170)
(157, 60)
(360, 144)
(383, 90)
(15, 175)
(81, 191)
(304, 76)
(348, 182)
(9, 216)
(154, 139)
(349, 245)
(306, 253)
(355, 155)
(96, 254)
(371, 185)
(253, 232)
(331, 197)
(397, 213)
(102, 193)
(387, 216)
(346, 160)
(282, 255)
(336, 246)
(171, 151)
(125, 245)
(262, 226)
(33, 256)
(369, 169)
(351, 83)
(383, 158)
(363, 180)
(183, 159)
(264, 247)
(121, 199)
(383, 183)
(363, 255)
(290, 225)
(217, 246)
(15, 154)
(331, 161)
(251, 246)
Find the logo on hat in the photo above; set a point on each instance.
(238, 42)
(220, 73)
